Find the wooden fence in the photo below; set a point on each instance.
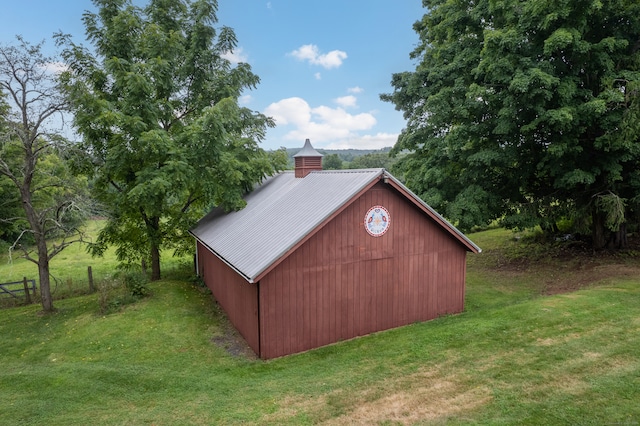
(19, 289)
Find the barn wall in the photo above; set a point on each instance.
(344, 283)
(238, 298)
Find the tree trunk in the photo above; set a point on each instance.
(155, 262)
(45, 286)
(605, 238)
(598, 231)
(155, 239)
(618, 238)
(41, 244)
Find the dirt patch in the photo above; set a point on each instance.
(432, 402)
(425, 396)
(229, 339)
(576, 279)
(234, 344)
(559, 267)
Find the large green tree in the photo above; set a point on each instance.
(156, 103)
(373, 160)
(525, 112)
(31, 170)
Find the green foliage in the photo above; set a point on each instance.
(332, 162)
(346, 155)
(12, 220)
(136, 284)
(157, 106)
(522, 110)
(373, 160)
(613, 207)
(121, 290)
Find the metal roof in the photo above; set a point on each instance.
(307, 151)
(285, 209)
(278, 214)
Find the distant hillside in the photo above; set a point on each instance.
(346, 155)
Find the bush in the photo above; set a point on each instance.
(124, 289)
(136, 284)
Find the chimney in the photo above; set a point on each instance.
(307, 160)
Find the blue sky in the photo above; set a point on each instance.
(322, 64)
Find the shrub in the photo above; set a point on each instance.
(136, 284)
(124, 289)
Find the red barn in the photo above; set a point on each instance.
(318, 256)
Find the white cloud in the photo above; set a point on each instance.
(236, 56)
(346, 101)
(311, 53)
(321, 124)
(355, 90)
(245, 100)
(295, 111)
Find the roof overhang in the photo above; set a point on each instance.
(229, 264)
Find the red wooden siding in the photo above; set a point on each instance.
(238, 298)
(343, 283)
(305, 165)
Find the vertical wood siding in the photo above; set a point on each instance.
(344, 283)
(238, 298)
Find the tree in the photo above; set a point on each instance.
(10, 205)
(332, 162)
(157, 107)
(525, 112)
(39, 179)
(373, 160)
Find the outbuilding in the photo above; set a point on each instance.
(319, 256)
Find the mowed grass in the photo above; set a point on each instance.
(519, 354)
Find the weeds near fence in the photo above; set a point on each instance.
(121, 290)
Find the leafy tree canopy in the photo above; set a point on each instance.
(332, 162)
(156, 103)
(525, 112)
(373, 160)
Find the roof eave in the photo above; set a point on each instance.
(229, 264)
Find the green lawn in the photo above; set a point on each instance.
(515, 356)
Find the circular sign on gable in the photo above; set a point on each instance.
(377, 221)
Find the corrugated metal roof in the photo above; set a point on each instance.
(278, 214)
(285, 209)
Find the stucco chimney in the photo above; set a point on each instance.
(307, 160)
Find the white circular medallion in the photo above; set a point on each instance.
(377, 221)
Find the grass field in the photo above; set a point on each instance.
(546, 338)
(69, 269)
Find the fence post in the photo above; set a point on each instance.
(91, 287)
(26, 290)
